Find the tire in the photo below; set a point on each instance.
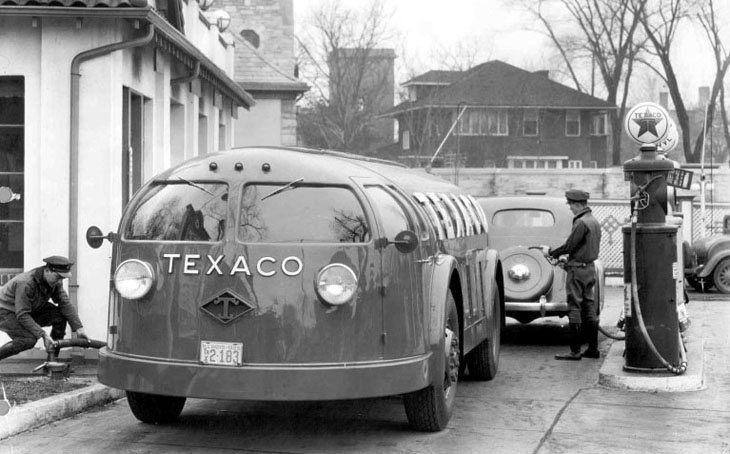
(153, 408)
(687, 255)
(721, 276)
(430, 409)
(536, 282)
(483, 361)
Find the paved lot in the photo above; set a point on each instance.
(535, 405)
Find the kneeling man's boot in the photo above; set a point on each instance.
(574, 354)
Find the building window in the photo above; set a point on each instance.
(529, 122)
(472, 122)
(12, 168)
(593, 164)
(572, 123)
(535, 162)
(575, 164)
(483, 122)
(406, 140)
(497, 121)
(599, 125)
(136, 126)
(252, 37)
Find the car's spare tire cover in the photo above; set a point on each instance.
(527, 274)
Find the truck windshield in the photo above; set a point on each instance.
(306, 214)
(180, 211)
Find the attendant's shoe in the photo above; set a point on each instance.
(572, 356)
(594, 354)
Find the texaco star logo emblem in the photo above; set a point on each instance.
(647, 123)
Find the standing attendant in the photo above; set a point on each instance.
(34, 299)
(582, 249)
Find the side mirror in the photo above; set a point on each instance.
(95, 238)
(406, 241)
(7, 195)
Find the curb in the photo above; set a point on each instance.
(613, 375)
(34, 414)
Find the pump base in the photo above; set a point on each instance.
(613, 375)
(645, 369)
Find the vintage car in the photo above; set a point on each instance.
(708, 264)
(533, 287)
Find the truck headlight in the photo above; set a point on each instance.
(336, 284)
(133, 279)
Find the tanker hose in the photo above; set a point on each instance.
(677, 370)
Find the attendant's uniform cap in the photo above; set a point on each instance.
(59, 264)
(576, 195)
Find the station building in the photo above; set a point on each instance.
(96, 97)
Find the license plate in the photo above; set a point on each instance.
(221, 353)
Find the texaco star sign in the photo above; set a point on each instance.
(647, 123)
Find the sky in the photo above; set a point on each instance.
(500, 30)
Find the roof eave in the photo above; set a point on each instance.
(223, 81)
(492, 106)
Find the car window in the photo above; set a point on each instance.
(523, 218)
(180, 211)
(301, 214)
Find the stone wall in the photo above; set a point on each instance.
(602, 184)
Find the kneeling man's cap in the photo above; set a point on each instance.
(576, 195)
(59, 264)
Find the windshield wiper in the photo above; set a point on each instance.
(195, 185)
(281, 189)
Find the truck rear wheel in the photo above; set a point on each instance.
(153, 408)
(430, 409)
(483, 361)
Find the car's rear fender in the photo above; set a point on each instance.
(709, 267)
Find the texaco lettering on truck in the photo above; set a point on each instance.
(292, 274)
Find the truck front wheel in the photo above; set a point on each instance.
(153, 408)
(430, 409)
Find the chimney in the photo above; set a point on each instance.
(703, 96)
(664, 99)
(543, 72)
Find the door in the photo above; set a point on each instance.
(404, 312)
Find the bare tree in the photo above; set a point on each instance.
(463, 55)
(708, 18)
(660, 20)
(603, 35)
(339, 53)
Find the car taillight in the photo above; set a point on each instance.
(336, 284)
(133, 279)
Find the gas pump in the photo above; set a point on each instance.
(651, 260)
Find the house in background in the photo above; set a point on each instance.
(498, 115)
(96, 97)
(265, 66)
